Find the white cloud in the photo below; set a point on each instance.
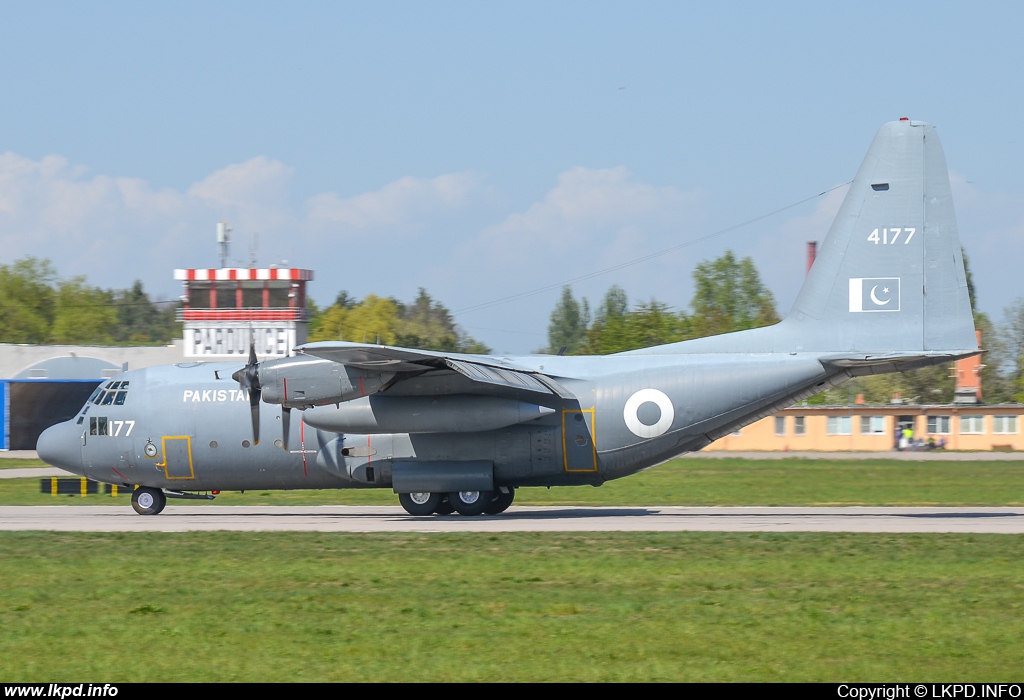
(598, 214)
(50, 208)
(402, 202)
(585, 199)
(116, 229)
(590, 220)
(52, 195)
(256, 182)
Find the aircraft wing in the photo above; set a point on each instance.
(490, 374)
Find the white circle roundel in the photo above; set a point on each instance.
(632, 408)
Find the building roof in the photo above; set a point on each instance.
(228, 274)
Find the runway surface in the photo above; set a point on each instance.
(517, 519)
(29, 472)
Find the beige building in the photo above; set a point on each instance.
(965, 425)
(873, 428)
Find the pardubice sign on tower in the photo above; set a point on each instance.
(223, 307)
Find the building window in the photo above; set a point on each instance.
(780, 426)
(872, 425)
(938, 425)
(972, 425)
(840, 425)
(799, 428)
(1004, 425)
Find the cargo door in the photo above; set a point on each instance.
(177, 457)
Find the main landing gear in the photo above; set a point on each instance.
(463, 502)
(148, 501)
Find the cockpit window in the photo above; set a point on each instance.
(113, 393)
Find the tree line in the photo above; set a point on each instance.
(38, 307)
(424, 324)
(728, 296)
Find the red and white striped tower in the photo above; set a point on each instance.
(223, 306)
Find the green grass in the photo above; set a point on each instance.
(514, 607)
(14, 463)
(695, 481)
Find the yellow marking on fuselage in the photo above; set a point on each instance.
(188, 448)
(593, 438)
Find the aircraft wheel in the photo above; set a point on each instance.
(445, 507)
(148, 501)
(470, 502)
(501, 501)
(420, 502)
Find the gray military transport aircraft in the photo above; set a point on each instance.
(450, 432)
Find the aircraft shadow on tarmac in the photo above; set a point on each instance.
(576, 513)
(959, 515)
(567, 514)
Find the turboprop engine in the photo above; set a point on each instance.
(423, 414)
(314, 382)
(301, 382)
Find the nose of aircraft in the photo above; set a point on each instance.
(61, 446)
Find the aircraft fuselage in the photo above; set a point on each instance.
(187, 427)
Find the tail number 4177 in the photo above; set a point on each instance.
(889, 236)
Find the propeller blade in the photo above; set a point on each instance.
(248, 379)
(254, 409)
(286, 425)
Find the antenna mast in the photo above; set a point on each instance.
(224, 241)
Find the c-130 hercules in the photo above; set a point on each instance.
(448, 432)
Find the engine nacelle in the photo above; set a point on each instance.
(301, 382)
(423, 414)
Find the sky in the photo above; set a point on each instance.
(490, 152)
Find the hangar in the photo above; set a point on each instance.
(41, 385)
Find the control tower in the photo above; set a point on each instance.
(223, 306)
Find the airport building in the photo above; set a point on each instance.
(41, 385)
(223, 308)
(861, 428)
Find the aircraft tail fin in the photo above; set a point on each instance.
(889, 276)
